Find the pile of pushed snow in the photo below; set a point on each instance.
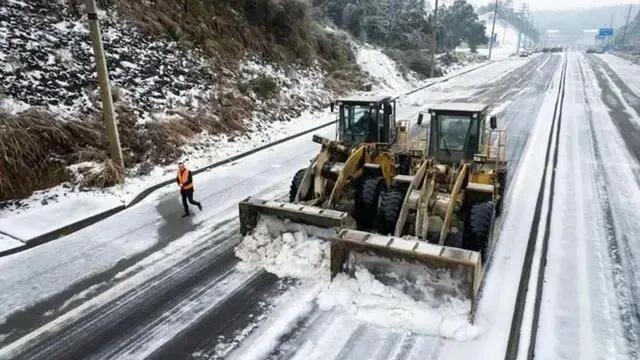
(408, 297)
(366, 298)
(384, 71)
(286, 249)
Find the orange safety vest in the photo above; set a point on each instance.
(183, 177)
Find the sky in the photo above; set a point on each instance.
(563, 4)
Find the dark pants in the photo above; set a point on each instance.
(188, 195)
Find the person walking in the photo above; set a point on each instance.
(185, 181)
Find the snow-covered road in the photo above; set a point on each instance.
(154, 284)
(591, 293)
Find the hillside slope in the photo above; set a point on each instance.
(176, 99)
(506, 35)
(169, 86)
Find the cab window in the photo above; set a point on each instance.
(453, 132)
(355, 122)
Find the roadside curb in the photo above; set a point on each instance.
(81, 224)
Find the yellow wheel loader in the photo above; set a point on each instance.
(442, 214)
(341, 186)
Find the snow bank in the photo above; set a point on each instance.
(366, 298)
(405, 299)
(384, 71)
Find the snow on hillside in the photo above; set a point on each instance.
(507, 36)
(384, 71)
(48, 61)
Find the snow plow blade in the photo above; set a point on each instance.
(465, 266)
(251, 209)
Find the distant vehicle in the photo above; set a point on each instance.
(591, 51)
(525, 53)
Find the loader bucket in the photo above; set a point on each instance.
(464, 266)
(251, 209)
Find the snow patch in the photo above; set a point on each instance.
(12, 106)
(384, 71)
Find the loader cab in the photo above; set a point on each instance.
(456, 131)
(365, 119)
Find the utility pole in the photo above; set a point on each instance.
(435, 39)
(493, 28)
(105, 88)
(526, 24)
(611, 26)
(626, 26)
(524, 8)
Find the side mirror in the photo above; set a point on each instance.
(332, 106)
(493, 122)
(420, 118)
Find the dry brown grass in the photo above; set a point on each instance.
(36, 148)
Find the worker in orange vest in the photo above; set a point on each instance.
(185, 181)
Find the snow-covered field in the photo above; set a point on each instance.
(47, 63)
(40, 49)
(384, 72)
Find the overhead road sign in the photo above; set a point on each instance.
(605, 32)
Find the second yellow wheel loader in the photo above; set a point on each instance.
(442, 215)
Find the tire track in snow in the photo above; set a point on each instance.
(80, 335)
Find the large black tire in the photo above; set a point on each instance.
(477, 229)
(366, 201)
(295, 184)
(502, 180)
(389, 211)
